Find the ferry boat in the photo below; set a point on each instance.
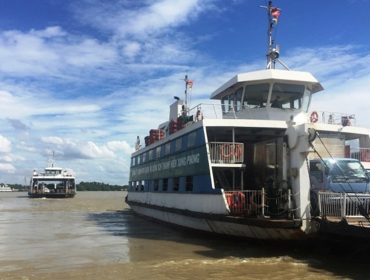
(242, 168)
(54, 182)
(5, 188)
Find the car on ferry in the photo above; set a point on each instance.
(339, 175)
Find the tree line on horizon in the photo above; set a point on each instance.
(82, 186)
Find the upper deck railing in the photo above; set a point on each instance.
(215, 111)
(226, 152)
(333, 118)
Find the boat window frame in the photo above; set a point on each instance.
(165, 184)
(192, 139)
(175, 184)
(189, 186)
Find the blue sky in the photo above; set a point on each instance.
(84, 78)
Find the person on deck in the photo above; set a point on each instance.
(276, 103)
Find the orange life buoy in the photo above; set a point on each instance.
(314, 117)
(229, 150)
(238, 202)
(225, 151)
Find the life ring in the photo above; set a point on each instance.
(314, 117)
(226, 151)
(237, 151)
(229, 150)
(238, 202)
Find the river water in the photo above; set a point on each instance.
(96, 236)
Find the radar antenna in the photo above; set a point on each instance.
(273, 53)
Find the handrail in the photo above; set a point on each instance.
(342, 205)
(259, 203)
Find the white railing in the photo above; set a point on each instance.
(226, 152)
(259, 203)
(334, 118)
(206, 111)
(343, 205)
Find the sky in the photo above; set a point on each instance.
(81, 79)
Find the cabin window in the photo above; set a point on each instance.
(164, 184)
(167, 148)
(226, 104)
(178, 144)
(176, 184)
(238, 99)
(158, 152)
(150, 155)
(191, 139)
(140, 186)
(156, 185)
(288, 96)
(145, 156)
(189, 183)
(256, 95)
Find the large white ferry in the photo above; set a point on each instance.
(54, 182)
(243, 169)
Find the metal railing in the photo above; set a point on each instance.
(362, 154)
(259, 203)
(207, 111)
(335, 118)
(342, 205)
(226, 152)
(246, 202)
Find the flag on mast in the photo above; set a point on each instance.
(189, 84)
(275, 13)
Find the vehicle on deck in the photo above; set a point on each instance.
(339, 175)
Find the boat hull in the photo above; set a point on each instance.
(254, 228)
(51, 195)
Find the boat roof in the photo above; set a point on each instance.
(53, 168)
(268, 75)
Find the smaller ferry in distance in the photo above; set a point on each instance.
(5, 188)
(54, 182)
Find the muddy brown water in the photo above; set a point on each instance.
(96, 236)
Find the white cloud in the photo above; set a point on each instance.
(51, 52)
(52, 140)
(7, 168)
(120, 146)
(131, 49)
(5, 145)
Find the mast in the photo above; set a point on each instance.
(188, 87)
(273, 51)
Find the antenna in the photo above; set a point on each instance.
(188, 86)
(273, 52)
